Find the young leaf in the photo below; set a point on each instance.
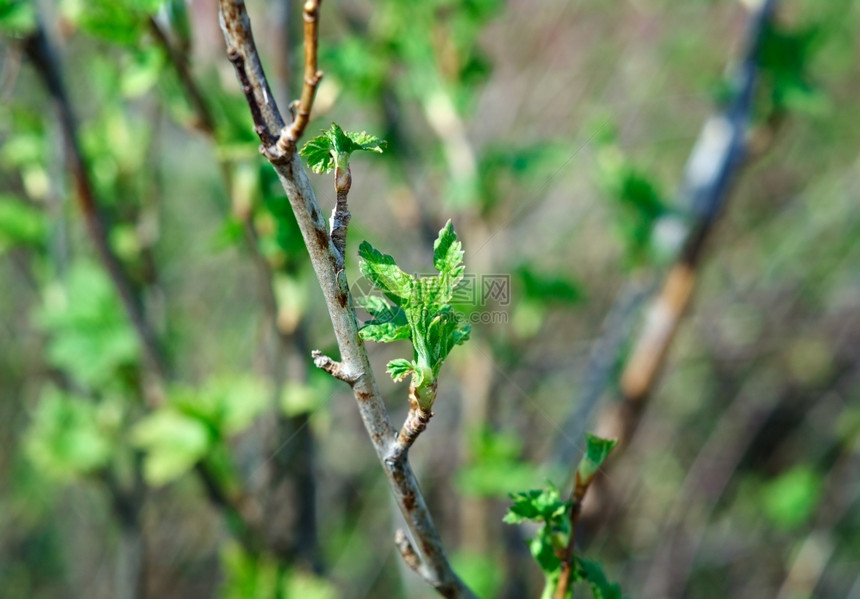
(382, 311)
(333, 147)
(383, 332)
(539, 505)
(596, 452)
(399, 368)
(367, 142)
(384, 273)
(448, 255)
(422, 310)
(318, 153)
(601, 588)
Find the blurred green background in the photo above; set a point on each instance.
(554, 134)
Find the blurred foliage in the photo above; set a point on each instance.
(194, 423)
(89, 335)
(486, 106)
(71, 437)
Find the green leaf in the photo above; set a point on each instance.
(173, 443)
(422, 311)
(341, 143)
(383, 312)
(383, 332)
(543, 550)
(596, 452)
(318, 153)
(538, 505)
(20, 224)
(66, 438)
(592, 573)
(89, 334)
(448, 256)
(399, 368)
(381, 270)
(333, 147)
(362, 140)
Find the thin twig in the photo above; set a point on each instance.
(303, 107)
(332, 367)
(567, 563)
(433, 567)
(204, 119)
(416, 422)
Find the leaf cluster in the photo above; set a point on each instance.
(418, 309)
(550, 545)
(333, 148)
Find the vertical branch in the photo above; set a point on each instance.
(38, 50)
(565, 579)
(341, 215)
(312, 76)
(426, 553)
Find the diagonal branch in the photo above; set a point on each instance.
(38, 49)
(430, 559)
(714, 165)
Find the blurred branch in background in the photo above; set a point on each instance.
(285, 354)
(38, 49)
(716, 158)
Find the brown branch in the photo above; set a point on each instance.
(341, 215)
(715, 163)
(204, 119)
(303, 107)
(242, 52)
(39, 51)
(565, 578)
(332, 367)
(433, 563)
(416, 421)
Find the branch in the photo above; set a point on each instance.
(311, 14)
(333, 367)
(415, 423)
(205, 121)
(341, 215)
(564, 580)
(38, 50)
(433, 565)
(714, 164)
